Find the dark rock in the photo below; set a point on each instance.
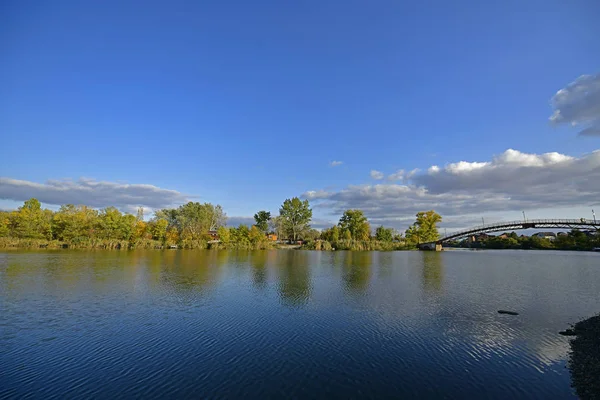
(507, 312)
(584, 361)
(568, 332)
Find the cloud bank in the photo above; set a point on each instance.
(92, 193)
(510, 181)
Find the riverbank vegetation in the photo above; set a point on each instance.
(200, 226)
(353, 232)
(573, 240)
(190, 226)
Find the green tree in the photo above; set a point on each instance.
(256, 235)
(346, 235)
(113, 225)
(223, 233)
(277, 225)
(296, 215)
(193, 220)
(335, 234)
(4, 223)
(384, 234)
(331, 235)
(169, 215)
(311, 234)
(140, 214)
(262, 219)
(356, 223)
(30, 221)
(158, 229)
(424, 229)
(240, 236)
(413, 235)
(74, 223)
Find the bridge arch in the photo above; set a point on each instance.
(582, 224)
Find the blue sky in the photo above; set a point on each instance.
(246, 104)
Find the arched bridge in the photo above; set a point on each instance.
(582, 224)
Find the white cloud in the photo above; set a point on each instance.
(376, 174)
(85, 191)
(578, 104)
(513, 172)
(335, 163)
(412, 173)
(397, 176)
(463, 191)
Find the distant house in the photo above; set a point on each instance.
(213, 234)
(562, 234)
(478, 238)
(272, 237)
(503, 236)
(546, 235)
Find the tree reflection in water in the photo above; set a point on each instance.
(258, 259)
(357, 270)
(192, 271)
(293, 272)
(433, 271)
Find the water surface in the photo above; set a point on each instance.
(265, 324)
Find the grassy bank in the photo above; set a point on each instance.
(356, 245)
(18, 243)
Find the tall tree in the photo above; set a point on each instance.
(355, 222)
(277, 225)
(140, 214)
(32, 222)
(262, 219)
(218, 217)
(296, 215)
(424, 229)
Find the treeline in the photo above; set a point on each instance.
(199, 226)
(353, 232)
(191, 226)
(573, 240)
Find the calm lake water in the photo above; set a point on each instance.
(289, 323)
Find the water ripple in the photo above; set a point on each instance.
(288, 324)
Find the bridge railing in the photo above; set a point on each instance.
(513, 224)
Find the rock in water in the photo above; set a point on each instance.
(507, 312)
(584, 362)
(568, 332)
